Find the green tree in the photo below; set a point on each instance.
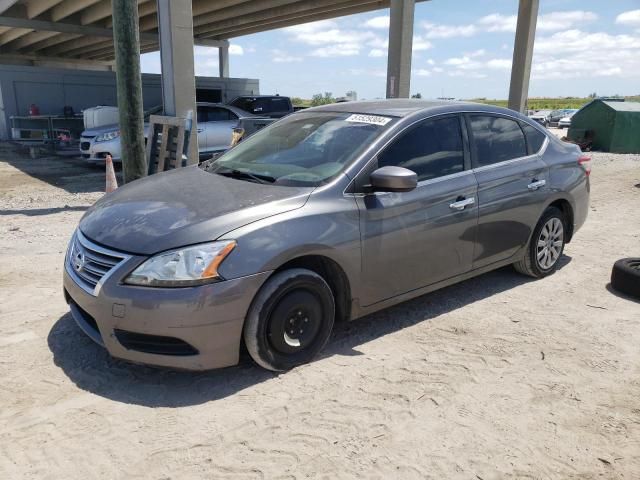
(416, 95)
(322, 99)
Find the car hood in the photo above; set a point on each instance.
(182, 207)
(93, 132)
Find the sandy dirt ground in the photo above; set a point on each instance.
(499, 377)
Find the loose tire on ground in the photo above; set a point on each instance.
(625, 276)
(531, 264)
(289, 320)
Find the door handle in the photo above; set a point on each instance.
(462, 203)
(200, 130)
(536, 184)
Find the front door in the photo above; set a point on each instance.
(512, 185)
(417, 238)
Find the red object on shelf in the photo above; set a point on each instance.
(34, 110)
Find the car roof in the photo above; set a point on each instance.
(403, 107)
(236, 110)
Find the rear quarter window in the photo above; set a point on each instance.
(535, 138)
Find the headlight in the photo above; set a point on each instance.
(183, 267)
(105, 137)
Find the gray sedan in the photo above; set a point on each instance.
(327, 215)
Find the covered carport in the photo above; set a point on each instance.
(108, 34)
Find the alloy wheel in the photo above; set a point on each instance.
(550, 243)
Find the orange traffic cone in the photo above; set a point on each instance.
(112, 183)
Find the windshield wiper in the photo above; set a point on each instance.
(239, 174)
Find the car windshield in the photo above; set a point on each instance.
(303, 149)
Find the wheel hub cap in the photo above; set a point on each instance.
(550, 243)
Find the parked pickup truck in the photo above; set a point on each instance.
(216, 125)
(272, 106)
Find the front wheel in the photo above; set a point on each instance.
(289, 320)
(545, 246)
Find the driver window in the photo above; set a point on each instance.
(431, 149)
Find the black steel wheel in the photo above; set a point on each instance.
(290, 319)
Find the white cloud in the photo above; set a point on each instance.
(378, 22)
(499, 64)
(438, 69)
(497, 22)
(431, 61)
(574, 54)
(477, 53)
(337, 50)
(630, 18)
(448, 31)
(368, 72)
(378, 42)
(564, 20)
(377, 52)
(422, 72)
(280, 56)
(420, 44)
(235, 49)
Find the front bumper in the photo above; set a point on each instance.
(93, 151)
(130, 322)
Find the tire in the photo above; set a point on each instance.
(553, 225)
(625, 276)
(290, 320)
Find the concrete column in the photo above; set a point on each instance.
(522, 54)
(400, 45)
(126, 38)
(223, 64)
(175, 24)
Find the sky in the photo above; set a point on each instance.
(461, 49)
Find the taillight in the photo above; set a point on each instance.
(585, 162)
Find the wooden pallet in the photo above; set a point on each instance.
(166, 147)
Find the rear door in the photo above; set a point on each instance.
(413, 239)
(219, 128)
(512, 185)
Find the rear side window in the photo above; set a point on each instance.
(262, 104)
(497, 139)
(432, 149)
(535, 138)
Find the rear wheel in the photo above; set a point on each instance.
(545, 245)
(290, 319)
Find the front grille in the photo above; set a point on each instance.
(85, 146)
(155, 344)
(89, 264)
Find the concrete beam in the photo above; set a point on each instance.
(98, 12)
(14, 34)
(54, 62)
(59, 38)
(37, 7)
(242, 9)
(69, 7)
(178, 72)
(201, 7)
(237, 26)
(29, 39)
(6, 5)
(43, 25)
(400, 46)
(313, 17)
(300, 8)
(523, 54)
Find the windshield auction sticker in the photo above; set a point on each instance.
(371, 119)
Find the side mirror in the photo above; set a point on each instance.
(393, 179)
